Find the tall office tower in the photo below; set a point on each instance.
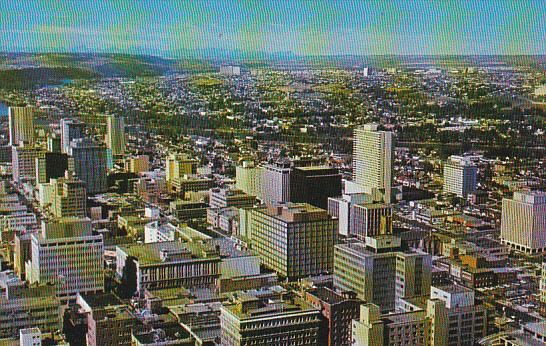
(24, 162)
(371, 219)
(137, 164)
(372, 161)
(67, 253)
(227, 197)
(523, 221)
(89, 164)
(177, 166)
(460, 176)
(50, 165)
(314, 185)
(71, 129)
(115, 135)
(69, 197)
(338, 311)
(54, 143)
(384, 272)
(342, 209)
(260, 323)
(295, 240)
(276, 182)
(248, 178)
(21, 125)
(421, 326)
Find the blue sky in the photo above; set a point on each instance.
(320, 27)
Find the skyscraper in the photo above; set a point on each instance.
(71, 129)
(460, 176)
(295, 240)
(276, 182)
(115, 135)
(24, 162)
(89, 164)
(372, 161)
(66, 252)
(523, 221)
(50, 165)
(69, 197)
(21, 125)
(305, 180)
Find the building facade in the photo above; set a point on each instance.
(460, 176)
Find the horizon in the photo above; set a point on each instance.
(301, 28)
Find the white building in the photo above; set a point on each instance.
(155, 232)
(30, 337)
(67, 253)
(460, 176)
(372, 161)
(70, 129)
(523, 221)
(276, 183)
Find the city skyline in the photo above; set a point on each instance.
(301, 28)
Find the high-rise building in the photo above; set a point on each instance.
(295, 240)
(227, 197)
(67, 253)
(248, 178)
(89, 164)
(54, 143)
(24, 162)
(379, 272)
(50, 165)
(460, 176)
(305, 183)
(276, 182)
(115, 135)
(254, 322)
(137, 164)
(70, 129)
(342, 209)
(21, 125)
(372, 161)
(370, 219)
(68, 197)
(523, 221)
(338, 311)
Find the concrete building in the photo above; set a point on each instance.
(295, 240)
(314, 185)
(30, 337)
(254, 322)
(338, 311)
(115, 135)
(523, 221)
(460, 176)
(372, 161)
(179, 165)
(167, 265)
(276, 182)
(227, 197)
(24, 307)
(137, 164)
(89, 164)
(53, 143)
(156, 232)
(248, 178)
(370, 219)
(342, 209)
(69, 198)
(23, 158)
(50, 166)
(67, 253)
(109, 321)
(70, 129)
(379, 272)
(21, 125)
(421, 327)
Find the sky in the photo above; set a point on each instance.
(320, 27)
